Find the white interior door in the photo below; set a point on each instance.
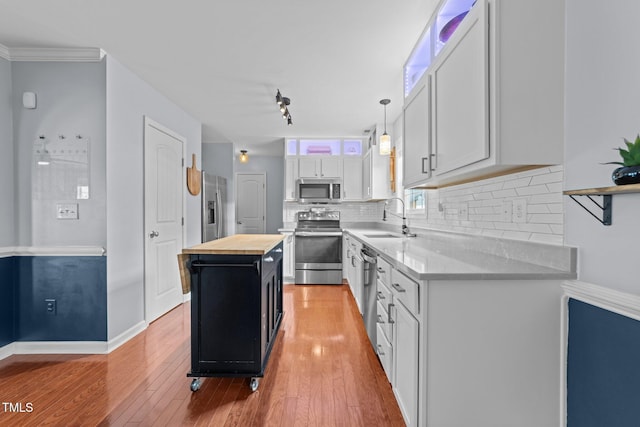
(250, 203)
(163, 200)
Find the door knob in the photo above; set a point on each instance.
(239, 222)
(154, 234)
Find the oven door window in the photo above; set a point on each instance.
(318, 249)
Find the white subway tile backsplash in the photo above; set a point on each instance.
(547, 178)
(540, 189)
(532, 189)
(516, 183)
(508, 193)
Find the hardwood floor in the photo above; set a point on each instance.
(322, 372)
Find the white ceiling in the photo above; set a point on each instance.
(223, 60)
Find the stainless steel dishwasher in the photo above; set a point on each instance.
(370, 290)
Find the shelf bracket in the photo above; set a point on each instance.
(605, 207)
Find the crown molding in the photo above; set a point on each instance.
(62, 54)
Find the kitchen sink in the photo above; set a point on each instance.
(383, 236)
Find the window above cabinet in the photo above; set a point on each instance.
(324, 147)
(437, 32)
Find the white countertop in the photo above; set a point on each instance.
(439, 255)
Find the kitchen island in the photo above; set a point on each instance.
(236, 305)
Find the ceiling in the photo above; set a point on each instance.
(223, 60)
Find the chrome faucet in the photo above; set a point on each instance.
(405, 229)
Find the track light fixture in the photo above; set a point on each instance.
(283, 103)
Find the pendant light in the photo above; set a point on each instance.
(244, 158)
(385, 139)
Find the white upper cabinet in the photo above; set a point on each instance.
(416, 157)
(460, 96)
(290, 177)
(376, 179)
(351, 178)
(495, 84)
(324, 167)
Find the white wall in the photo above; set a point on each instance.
(129, 100)
(7, 193)
(70, 102)
(602, 107)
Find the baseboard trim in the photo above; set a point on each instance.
(7, 350)
(60, 347)
(126, 336)
(71, 347)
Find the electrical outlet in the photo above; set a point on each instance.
(520, 210)
(51, 306)
(506, 211)
(67, 211)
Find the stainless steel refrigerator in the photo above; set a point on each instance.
(214, 205)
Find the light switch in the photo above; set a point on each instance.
(67, 211)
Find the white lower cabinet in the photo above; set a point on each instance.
(399, 337)
(352, 266)
(479, 353)
(407, 349)
(288, 258)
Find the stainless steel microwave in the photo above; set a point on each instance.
(318, 190)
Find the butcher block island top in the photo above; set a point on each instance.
(238, 244)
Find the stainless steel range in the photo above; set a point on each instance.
(318, 247)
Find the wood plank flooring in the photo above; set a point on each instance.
(322, 372)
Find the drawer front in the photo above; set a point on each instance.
(382, 320)
(384, 271)
(383, 294)
(385, 353)
(406, 291)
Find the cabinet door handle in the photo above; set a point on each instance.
(380, 319)
(398, 288)
(425, 169)
(380, 352)
(380, 296)
(268, 259)
(390, 320)
(381, 270)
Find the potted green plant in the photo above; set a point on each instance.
(629, 170)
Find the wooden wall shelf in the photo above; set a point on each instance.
(617, 189)
(607, 193)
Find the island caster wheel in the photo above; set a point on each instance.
(195, 384)
(254, 383)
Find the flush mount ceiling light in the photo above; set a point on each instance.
(244, 158)
(385, 139)
(283, 103)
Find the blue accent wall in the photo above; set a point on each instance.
(7, 301)
(603, 372)
(79, 286)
